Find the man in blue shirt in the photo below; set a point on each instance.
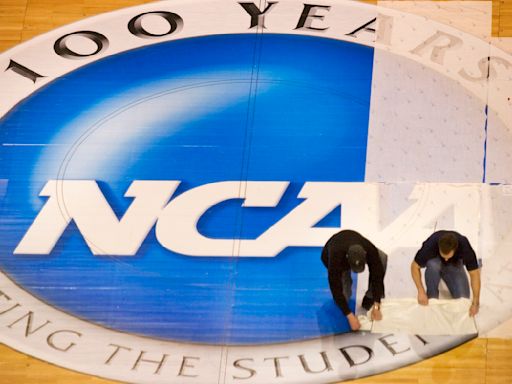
(444, 255)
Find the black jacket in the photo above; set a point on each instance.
(334, 257)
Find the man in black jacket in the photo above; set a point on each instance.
(345, 252)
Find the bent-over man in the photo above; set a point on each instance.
(345, 252)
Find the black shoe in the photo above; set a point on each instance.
(367, 303)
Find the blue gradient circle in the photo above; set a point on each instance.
(200, 110)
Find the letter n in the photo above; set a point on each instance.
(83, 202)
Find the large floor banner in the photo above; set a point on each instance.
(169, 174)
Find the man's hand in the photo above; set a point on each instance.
(376, 313)
(473, 310)
(422, 298)
(353, 321)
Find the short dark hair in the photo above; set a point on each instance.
(448, 242)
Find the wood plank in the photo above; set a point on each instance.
(465, 364)
(505, 23)
(495, 18)
(21, 20)
(478, 361)
(499, 358)
(17, 368)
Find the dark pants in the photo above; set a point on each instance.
(453, 274)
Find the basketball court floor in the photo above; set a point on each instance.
(457, 92)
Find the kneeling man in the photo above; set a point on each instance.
(444, 255)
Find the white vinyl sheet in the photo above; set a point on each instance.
(439, 317)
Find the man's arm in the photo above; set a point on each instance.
(474, 276)
(376, 274)
(377, 280)
(416, 277)
(421, 258)
(471, 263)
(335, 271)
(336, 286)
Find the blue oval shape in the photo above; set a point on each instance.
(215, 108)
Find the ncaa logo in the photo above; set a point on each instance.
(170, 173)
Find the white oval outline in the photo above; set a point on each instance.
(38, 347)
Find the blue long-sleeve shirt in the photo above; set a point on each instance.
(464, 251)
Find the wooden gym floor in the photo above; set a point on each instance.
(483, 360)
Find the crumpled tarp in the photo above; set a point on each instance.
(439, 317)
